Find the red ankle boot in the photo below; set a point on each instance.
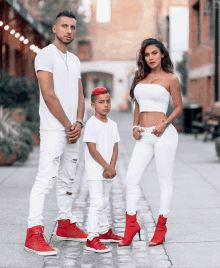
(160, 231)
(132, 227)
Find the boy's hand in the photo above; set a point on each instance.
(105, 175)
(111, 172)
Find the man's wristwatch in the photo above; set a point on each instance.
(80, 122)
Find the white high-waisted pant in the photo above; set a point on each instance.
(98, 214)
(163, 148)
(57, 159)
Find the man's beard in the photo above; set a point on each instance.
(65, 43)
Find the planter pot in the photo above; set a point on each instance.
(36, 137)
(11, 160)
(18, 115)
(179, 128)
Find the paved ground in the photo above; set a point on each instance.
(192, 240)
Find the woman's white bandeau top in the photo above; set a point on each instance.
(152, 98)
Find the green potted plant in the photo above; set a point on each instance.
(16, 142)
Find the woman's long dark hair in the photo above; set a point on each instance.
(143, 68)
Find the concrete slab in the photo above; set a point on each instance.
(192, 232)
(14, 256)
(194, 255)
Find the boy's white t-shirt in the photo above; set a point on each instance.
(105, 135)
(65, 85)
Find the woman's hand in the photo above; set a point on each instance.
(136, 133)
(159, 130)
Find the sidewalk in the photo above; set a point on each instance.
(192, 239)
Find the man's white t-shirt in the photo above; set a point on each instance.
(105, 135)
(51, 60)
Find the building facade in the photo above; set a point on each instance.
(201, 89)
(21, 37)
(117, 28)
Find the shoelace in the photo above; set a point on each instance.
(41, 238)
(77, 227)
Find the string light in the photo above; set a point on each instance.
(12, 31)
(26, 41)
(21, 38)
(6, 27)
(36, 49)
(1, 23)
(17, 35)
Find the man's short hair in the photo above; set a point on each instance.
(65, 13)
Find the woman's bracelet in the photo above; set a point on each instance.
(135, 127)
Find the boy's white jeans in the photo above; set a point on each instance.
(57, 159)
(163, 148)
(98, 211)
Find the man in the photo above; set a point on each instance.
(61, 114)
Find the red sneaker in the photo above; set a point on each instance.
(110, 237)
(70, 231)
(35, 242)
(96, 246)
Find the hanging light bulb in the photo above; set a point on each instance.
(32, 47)
(26, 41)
(1, 23)
(17, 35)
(21, 38)
(6, 27)
(12, 31)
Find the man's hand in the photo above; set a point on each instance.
(73, 133)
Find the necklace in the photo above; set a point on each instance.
(65, 61)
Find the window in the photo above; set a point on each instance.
(84, 50)
(197, 12)
(211, 20)
(103, 14)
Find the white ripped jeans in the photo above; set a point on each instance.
(163, 148)
(57, 159)
(99, 191)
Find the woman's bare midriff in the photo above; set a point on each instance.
(150, 119)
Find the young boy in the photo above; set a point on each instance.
(101, 152)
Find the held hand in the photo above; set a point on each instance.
(136, 133)
(110, 172)
(73, 133)
(105, 175)
(159, 130)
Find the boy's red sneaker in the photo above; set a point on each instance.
(70, 231)
(35, 242)
(110, 237)
(96, 246)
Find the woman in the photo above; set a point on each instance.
(153, 84)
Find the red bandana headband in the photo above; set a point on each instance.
(99, 90)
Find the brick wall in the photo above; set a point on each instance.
(201, 65)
